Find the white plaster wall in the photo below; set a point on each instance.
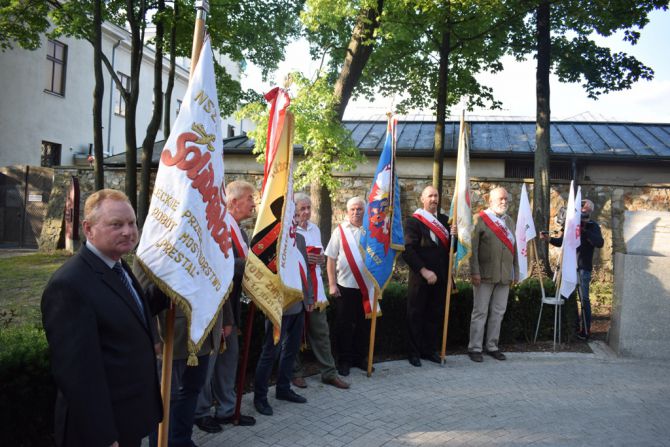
(28, 115)
(610, 173)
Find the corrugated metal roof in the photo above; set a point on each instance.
(497, 139)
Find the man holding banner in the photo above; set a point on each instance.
(219, 389)
(286, 348)
(185, 249)
(351, 287)
(427, 255)
(493, 267)
(317, 330)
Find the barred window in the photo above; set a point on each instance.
(525, 169)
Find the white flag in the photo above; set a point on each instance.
(185, 246)
(571, 241)
(525, 231)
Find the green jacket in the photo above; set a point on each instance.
(491, 259)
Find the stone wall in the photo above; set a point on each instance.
(611, 200)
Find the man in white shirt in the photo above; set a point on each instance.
(316, 324)
(352, 329)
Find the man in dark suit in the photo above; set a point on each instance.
(99, 330)
(427, 255)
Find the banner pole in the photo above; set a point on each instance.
(202, 8)
(454, 219)
(373, 329)
(443, 351)
(166, 375)
(242, 369)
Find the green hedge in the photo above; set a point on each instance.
(27, 389)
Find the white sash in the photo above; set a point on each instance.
(352, 248)
(500, 223)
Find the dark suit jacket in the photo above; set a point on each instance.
(421, 251)
(102, 355)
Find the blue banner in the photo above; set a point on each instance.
(383, 237)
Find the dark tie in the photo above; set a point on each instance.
(118, 269)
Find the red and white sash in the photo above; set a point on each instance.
(434, 225)
(241, 247)
(499, 228)
(357, 266)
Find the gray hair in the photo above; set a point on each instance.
(301, 197)
(237, 188)
(355, 200)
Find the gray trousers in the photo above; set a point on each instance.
(490, 300)
(318, 336)
(219, 389)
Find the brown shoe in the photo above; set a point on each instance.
(299, 382)
(337, 383)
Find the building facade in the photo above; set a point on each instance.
(46, 115)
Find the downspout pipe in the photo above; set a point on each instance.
(111, 100)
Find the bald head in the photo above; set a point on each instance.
(430, 199)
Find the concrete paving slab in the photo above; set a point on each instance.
(532, 399)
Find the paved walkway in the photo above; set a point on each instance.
(538, 399)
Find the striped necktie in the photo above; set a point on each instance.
(118, 269)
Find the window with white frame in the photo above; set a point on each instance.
(119, 102)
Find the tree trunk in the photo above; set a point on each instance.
(98, 93)
(441, 112)
(154, 123)
(358, 52)
(167, 121)
(542, 131)
(135, 18)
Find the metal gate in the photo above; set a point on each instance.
(24, 195)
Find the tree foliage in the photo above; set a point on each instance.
(327, 145)
(22, 22)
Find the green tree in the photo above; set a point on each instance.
(326, 145)
(563, 43)
(430, 51)
(22, 23)
(346, 31)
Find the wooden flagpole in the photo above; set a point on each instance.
(202, 8)
(454, 219)
(373, 328)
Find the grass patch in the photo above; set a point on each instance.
(22, 280)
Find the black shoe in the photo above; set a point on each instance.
(208, 424)
(263, 407)
(582, 336)
(343, 369)
(245, 421)
(434, 357)
(476, 357)
(496, 355)
(414, 361)
(291, 396)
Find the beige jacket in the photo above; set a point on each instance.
(491, 259)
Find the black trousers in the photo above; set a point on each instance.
(425, 313)
(352, 329)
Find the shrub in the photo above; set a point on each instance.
(27, 389)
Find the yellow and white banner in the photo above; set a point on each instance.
(185, 246)
(272, 277)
